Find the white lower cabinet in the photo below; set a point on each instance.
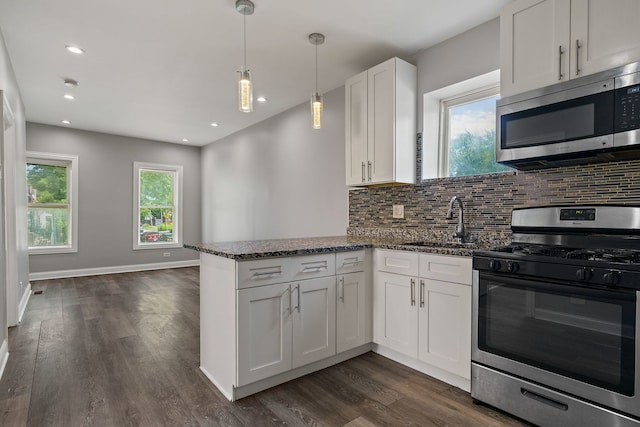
(264, 332)
(314, 320)
(445, 326)
(425, 318)
(395, 314)
(351, 311)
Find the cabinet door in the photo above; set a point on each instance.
(264, 332)
(350, 311)
(607, 32)
(396, 313)
(533, 33)
(381, 123)
(356, 129)
(445, 326)
(314, 320)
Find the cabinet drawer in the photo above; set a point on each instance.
(261, 272)
(312, 266)
(350, 262)
(446, 268)
(399, 262)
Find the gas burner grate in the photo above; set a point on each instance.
(606, 255)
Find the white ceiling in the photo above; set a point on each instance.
(164, 70)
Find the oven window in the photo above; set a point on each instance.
(581, 333)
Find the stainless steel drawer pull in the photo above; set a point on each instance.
(421, 293)
(314, 269)
(341, 289)
(267, 274)
(543, 399)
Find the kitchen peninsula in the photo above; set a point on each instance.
(275, 310)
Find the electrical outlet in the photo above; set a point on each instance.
(398, 211)
(166, 254)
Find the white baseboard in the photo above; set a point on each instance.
(22, 306)
(4, 356)
(60, 274)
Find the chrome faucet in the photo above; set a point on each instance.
(459, 233)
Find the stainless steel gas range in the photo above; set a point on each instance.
(556, 336)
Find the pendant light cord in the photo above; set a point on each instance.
(244, 20)
(316, 68)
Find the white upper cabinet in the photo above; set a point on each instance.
(543, 42)
(380, 125)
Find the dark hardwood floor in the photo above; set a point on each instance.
(123, 350)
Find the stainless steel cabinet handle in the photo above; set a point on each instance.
(295, 288)
(288, 309)
(560, 52)
(341, 288)
(369, 163)
(421, 293)
(413, 292)
(299, 303)
(577, 57)
(362, 171)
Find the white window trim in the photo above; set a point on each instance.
(445, 105)
(177, 214)
(431, 119)
(71, 162)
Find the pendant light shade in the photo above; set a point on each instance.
(245, 87)
(316, 98)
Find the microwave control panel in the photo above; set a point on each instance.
(627, 109)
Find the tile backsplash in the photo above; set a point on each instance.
(488, 200)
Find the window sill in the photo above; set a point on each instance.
(52, 250)
(157, 246)
(480, 177)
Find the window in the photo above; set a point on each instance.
(52, 208)
(459, 134)
(468, 136)
(157, 206)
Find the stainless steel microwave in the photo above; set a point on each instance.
(591, 119)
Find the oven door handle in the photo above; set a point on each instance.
(542, 283)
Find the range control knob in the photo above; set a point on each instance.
(612, 277)
(512, 267)
(584, 274)
(494, 265)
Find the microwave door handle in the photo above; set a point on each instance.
(560, 75)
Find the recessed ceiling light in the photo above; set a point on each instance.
(261, 99)
(215, 125)
(69, 96)
(70, 82)
(185, 140)
(66, 122)
(74, 49)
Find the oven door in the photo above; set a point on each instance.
(579, 340)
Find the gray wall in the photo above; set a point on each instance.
(470, 54)
(105, 199)
(278, 178)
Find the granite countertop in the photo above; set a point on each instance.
(253, 249)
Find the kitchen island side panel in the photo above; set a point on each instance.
(218, 321)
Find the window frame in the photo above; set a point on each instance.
(445, 123)
(138, 167)
(71, 163)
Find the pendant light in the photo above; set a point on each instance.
(316, 98)
(245, 88)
